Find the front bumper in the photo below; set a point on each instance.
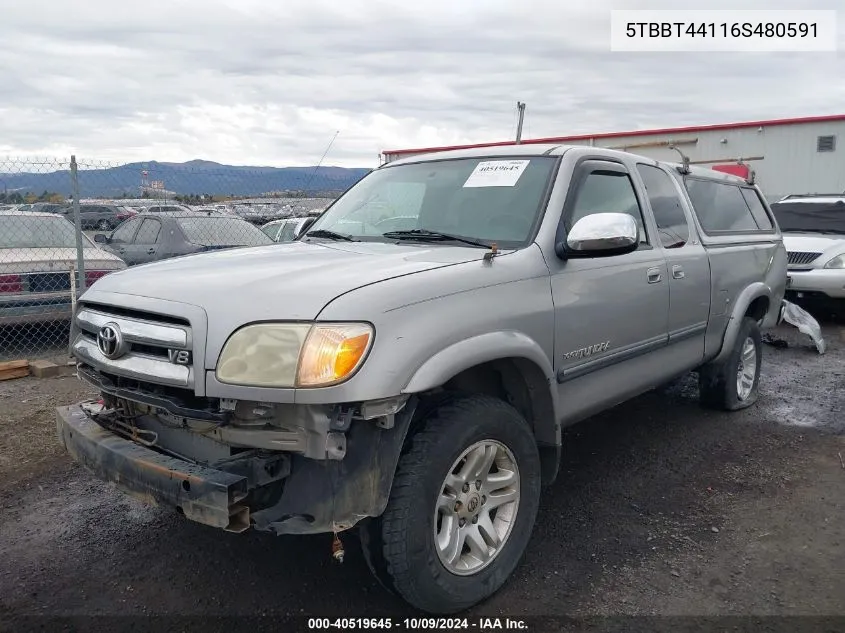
(318, 496)
(829, 282)
(207, 496)
(23, 310)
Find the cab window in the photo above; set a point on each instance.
(607, 192)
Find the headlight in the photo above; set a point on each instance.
(286, 355)
(836, 262)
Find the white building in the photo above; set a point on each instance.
(788, 156)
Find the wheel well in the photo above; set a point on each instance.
(758, 308)
(517, 381)
(523, 385)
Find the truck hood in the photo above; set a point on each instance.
(293, 280)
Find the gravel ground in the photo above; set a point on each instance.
(662, 508)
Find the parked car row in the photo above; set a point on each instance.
(99, 217)
(96, 217)
(38, 251)
(107, 215)
(150, 237)
(261, 214)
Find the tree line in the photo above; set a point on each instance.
(16, 197)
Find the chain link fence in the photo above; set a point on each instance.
(65, 223)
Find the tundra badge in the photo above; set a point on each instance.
(587, 351)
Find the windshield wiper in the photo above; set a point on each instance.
(330, 235)
(425, 235)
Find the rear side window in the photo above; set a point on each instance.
(720, 207)
(222, 231)
(124, 231)
(666, 206)
(287, 233)
(757, 209)
(270, 230)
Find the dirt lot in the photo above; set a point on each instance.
(661, 508)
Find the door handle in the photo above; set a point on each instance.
(151, 251)
(654, 275)
(677, 272)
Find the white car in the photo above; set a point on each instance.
(813, 229)
(37, 251)
(285, 230)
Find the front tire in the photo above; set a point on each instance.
(462, 507)
(734, 384)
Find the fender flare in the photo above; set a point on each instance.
(457, 357)
(746, 297)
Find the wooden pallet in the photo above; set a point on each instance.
(14, 369)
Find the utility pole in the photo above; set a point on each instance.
(520, 107)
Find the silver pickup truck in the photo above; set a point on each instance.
(412, 382)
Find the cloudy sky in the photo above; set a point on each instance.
(255, 82)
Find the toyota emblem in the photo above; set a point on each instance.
(110, 341)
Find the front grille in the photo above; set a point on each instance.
(801, 258)
(139, 315)
(148, 340)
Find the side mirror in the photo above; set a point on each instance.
(305, 226)
(601, 235)
(101, 238)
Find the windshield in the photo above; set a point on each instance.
(26, 231)
(487, 199)
(221, 231)
(810, 217)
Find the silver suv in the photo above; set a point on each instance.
(412, 383)
(813, 229)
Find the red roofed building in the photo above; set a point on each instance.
(788, 156)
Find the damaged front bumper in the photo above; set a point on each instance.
(274, 491)
(207, 496)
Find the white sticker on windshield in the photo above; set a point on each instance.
(496, 173)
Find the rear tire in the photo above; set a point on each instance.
(462, 507)
(734, 383)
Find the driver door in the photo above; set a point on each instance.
(121, 238)
(611, 312)
(145, 245)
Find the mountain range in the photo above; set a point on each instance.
(192, 177)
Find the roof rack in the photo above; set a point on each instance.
(814, 195)
(752, 174)
(684, 167)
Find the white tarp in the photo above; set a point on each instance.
(805, 323)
